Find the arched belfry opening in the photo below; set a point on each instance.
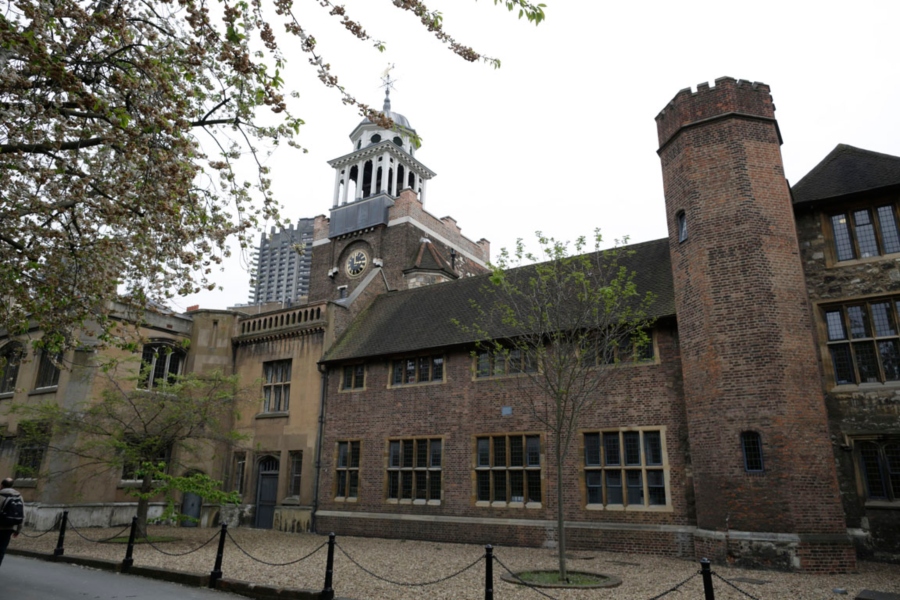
(379, 167)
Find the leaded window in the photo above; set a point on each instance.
(625, 467)
(240, 468)
(865, 232)
(414, 469)
(751, 446)
(508, 468)
(276, 386)
(864, 341)
(347, 470)
(879, 462)
(421, 369)
(506, 361)
(354, 377)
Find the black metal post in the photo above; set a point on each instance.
(328, 590)
(126, 564)
(708, 593)
(216, 574)
(60, 542)
(489, 572)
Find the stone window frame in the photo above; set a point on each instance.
(30, 454)
(161, 363)
(877, 463)
(11, 356)
(353, 377)
(492, 363)
(347, 460)
(492, 467)
(643, 355)
(850, 343)
(47, 376)
(412, 460)
(598, 464)
(295, 475)
(239, 472)
(400, 370)
(277, 386)
(843, 237)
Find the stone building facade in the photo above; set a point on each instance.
(761, 426)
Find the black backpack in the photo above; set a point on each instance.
(12, 511)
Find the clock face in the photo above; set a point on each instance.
(356, 263)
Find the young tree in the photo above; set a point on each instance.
(145, 435)
(562, 325)
(103, 182)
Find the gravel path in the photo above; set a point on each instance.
(644, 576)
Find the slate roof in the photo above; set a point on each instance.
(847, 170)
(427, 258)
(420, 318)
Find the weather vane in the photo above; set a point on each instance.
(386, 82)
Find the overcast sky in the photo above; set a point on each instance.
(562, 137)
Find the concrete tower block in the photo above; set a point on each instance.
(746, 334)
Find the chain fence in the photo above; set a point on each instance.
(409, 584)
(261, 561)
(327, 592)
(105, 540)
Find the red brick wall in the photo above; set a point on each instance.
(461, 408)
(743, 316)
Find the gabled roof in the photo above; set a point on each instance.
(847, 170)
(421, 318)
(427, 258)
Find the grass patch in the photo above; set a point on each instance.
(552, 578)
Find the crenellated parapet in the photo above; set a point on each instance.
(728, 97)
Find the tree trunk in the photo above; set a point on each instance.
(143, 506)
(560, 512)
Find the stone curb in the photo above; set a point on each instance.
(234, 586)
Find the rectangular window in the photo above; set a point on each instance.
(625, 468)
(30, 458)
(10, 358)
(508, 469)
(240, 467)
(865, 232)
(132, 469)
(354, 377)
(879, 464)
(608, 350)
(864, 341)
(502, 362)
(48, 372)
(414, 469)
(276, 386)
(347, 470)
(296, 472)
(424, 369)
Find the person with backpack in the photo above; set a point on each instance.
(12, 514)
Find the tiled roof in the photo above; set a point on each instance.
(421, 318)
(847, 170)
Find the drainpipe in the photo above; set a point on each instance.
(324, 371)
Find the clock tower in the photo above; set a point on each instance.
(378, 236)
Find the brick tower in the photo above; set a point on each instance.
(763, 466)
